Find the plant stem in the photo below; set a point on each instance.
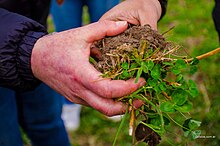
(120, 127)
(132, 124)
(159, 112)
(176, 122)
(208, 54)
(166, 95)
(161, 116)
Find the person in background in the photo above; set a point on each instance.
(67, 14)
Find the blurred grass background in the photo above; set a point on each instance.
(194, 31)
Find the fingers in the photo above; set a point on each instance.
(77, 100)
(116, 88)
(138, 12)
(150, 19)
(122, 12)
(137, 18)
(123, 16)
(99, 30)
(137, 103)
(92, 80)
(108, 107)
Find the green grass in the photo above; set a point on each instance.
(194, 30)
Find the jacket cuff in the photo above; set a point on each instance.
(23, 59)
(163, 4)
(18, 34)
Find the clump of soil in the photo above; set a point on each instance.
(138, 39)
(144, 133)
(132, 37)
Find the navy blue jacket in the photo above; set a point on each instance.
(18, 35)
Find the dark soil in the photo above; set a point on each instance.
(125, 43)
(132, 36)
(144, 133)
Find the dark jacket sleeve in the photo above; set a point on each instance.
(163, 4)
(216, 16)
(18, 35)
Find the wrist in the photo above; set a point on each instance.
(27, 79)
(35, 57)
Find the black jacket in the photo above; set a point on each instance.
(18, 35)
(216, 16)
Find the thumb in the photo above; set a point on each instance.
(100, 29)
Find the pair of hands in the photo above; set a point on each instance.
(61, 60)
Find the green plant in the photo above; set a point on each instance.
(166, 91)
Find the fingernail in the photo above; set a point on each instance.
(142, 83)
(121, 23)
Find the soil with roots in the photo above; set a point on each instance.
(111, 52)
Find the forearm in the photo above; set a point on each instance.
(18, 36)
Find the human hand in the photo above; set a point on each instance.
(136, 12)
(61, 60)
